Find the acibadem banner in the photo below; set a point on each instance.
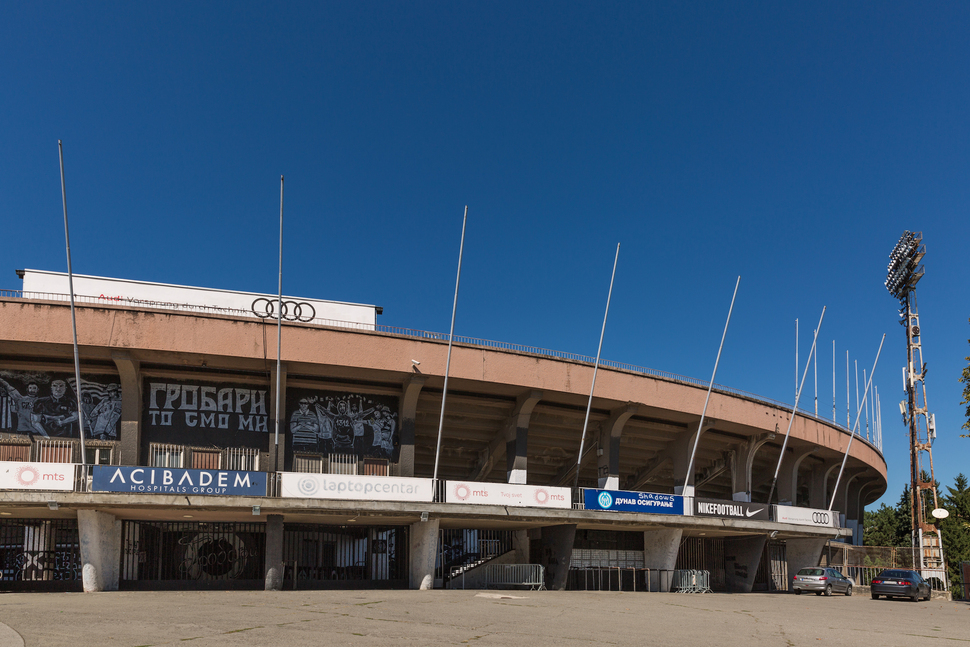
(171, 480)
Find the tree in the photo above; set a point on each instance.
(956, 530)
(965, 378)
(888, 526)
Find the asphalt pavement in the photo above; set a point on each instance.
(481, 618)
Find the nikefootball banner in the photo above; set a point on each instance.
(731, 509)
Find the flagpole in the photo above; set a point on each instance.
(589, 403)
(279, 331)
(70, 281)
(451, 335)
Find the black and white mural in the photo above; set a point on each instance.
(44, 404)
(192, 412)
(343, 423)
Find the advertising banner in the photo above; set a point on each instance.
(218, 414)
(15, 475)
(174, 480)
(806, 516)
(624, 501)
(352, 487)
(523, 496)
(731, 509)
(325, 422)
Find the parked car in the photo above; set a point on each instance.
(821, 580)
(894, 583)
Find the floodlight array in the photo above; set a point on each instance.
(904, 270)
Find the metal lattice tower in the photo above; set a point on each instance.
(904, 272)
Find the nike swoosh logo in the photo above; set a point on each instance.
(752, 513)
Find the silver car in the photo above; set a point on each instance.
(821, 580)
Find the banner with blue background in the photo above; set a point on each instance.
(623, 501)
(171, 480)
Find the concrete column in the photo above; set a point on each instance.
(743, 465)
(520, 544)
(129, 435)
(409, 406)
(274, 553)
(556, 551)
(608, 454)
(802, 553)
(277, 459)
(741, 558)
(680, 451)
(818, 492)
(100, 542)
(660, 548)
(423, 543)
(517, 438)
(788, 476)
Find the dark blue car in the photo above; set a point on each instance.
(894, 583)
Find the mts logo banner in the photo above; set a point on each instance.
(166, 480)
(15, 475)
(633, 501)
(732, 509)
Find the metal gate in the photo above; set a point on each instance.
(772, 572)
(38, 555)
(321, 557)
(171, 555)
(705, 554)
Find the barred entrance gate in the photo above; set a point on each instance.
(175, 555)
(38, 555)
(345, 557)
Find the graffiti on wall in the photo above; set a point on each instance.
(191, 412)
(46, 405)
(343, 423)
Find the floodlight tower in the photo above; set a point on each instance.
(905, 272)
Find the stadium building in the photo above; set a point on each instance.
(184, 482)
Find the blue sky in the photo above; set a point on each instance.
(790, 145)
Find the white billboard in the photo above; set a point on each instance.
(183, 297)
(523, 496)
(15, 475)
(357, 488)
(806, 516)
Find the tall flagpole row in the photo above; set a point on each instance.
(451, 336)
(70, 281)
(589, 403)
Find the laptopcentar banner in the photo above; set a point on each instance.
(731, 509)
(624, 501)
(345, 486)
(523, 496)
(15, 475)
(170, 480)
(806, 516)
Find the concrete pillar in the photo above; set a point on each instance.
(660, 548)
(743, 465)
(680, 451)
(741, 558)
(129, 434)
(608, 454)
(100, 542)
(423, 544)
(788, 476)
(517, 438)
(409, 407)
(520, 544)
(277, 453)
(818, 494)
(274, 552)
(802, 553)
(556, 551)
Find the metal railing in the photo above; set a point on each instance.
(505, 575)
(443, 337)
(691, 581)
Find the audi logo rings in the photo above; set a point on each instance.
(820, 517)
(292, 310)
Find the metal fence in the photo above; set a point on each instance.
(619, 578)
(324, 556)
(691, 581)
(458, 339)
(40, 555)
(187, 554)
(509, 575)
(460, 550)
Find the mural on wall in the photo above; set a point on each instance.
(45, 404)
(193, 412)
(327, 422)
